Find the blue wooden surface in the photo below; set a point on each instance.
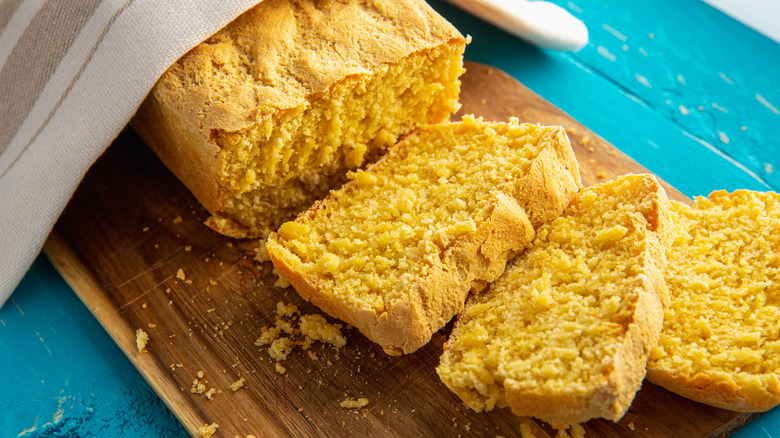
(683, 89)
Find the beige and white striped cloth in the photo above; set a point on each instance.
(72, 73)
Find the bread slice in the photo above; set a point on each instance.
(720, 342)
(267, 115)
(396, 250)
(564, 334)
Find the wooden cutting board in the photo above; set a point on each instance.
(131, 227)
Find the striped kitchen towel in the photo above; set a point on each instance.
(72, 74)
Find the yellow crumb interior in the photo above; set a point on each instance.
(282, 164)
(371, 241)
(724, 280)
(553, 321)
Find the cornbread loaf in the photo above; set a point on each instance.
(395, 251)
(267, 115)
(720, 342)
(564, 334)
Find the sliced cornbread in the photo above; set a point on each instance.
(720, 342)
(395, 251)
(267, 115)
(564, 334)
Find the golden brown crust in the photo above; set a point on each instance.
(277, 54)
(471, 260)
(189, 156)
(722, 393)
(275, 57)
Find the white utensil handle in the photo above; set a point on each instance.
(538, 22)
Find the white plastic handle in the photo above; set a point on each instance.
(538, 22)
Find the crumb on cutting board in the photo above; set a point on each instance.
(280, 368)
(141, 338)
(577, 431)
(280, 348)
(208, 430)
(281, 282)
(286, 310)
(268, 336)
(317, 328)
(526, 431)
(238, 384)
(261, 253)
(180, 274)
(351, 403)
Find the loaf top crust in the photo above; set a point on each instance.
(275, 55)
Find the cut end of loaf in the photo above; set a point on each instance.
(270, 113)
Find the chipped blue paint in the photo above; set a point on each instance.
(62, 374)
(670, 83)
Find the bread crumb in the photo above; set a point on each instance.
(280, 348)
(577, 431)
(143, 306)
(200, 374)
(145, 229)
(177, 220)
(284, 326)
(152, 325)
(188, 248)
(601, 175)
(141, 338)
(631, 425)
(197, 387)
(210, 394)
(281, 282)
(238, 384)
(317, 328)
(180, 274)
(268, 336)
(261, 252)
(279, 368)
(351, 403)
(208, 430)
(585, 140)
(526, 431)
(286, 310)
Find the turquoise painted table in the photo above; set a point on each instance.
(685, 90)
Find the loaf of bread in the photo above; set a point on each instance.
(267, 115)
(720, 342)
(564, 334)
(395, 251)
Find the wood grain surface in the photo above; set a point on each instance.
(132, 226)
